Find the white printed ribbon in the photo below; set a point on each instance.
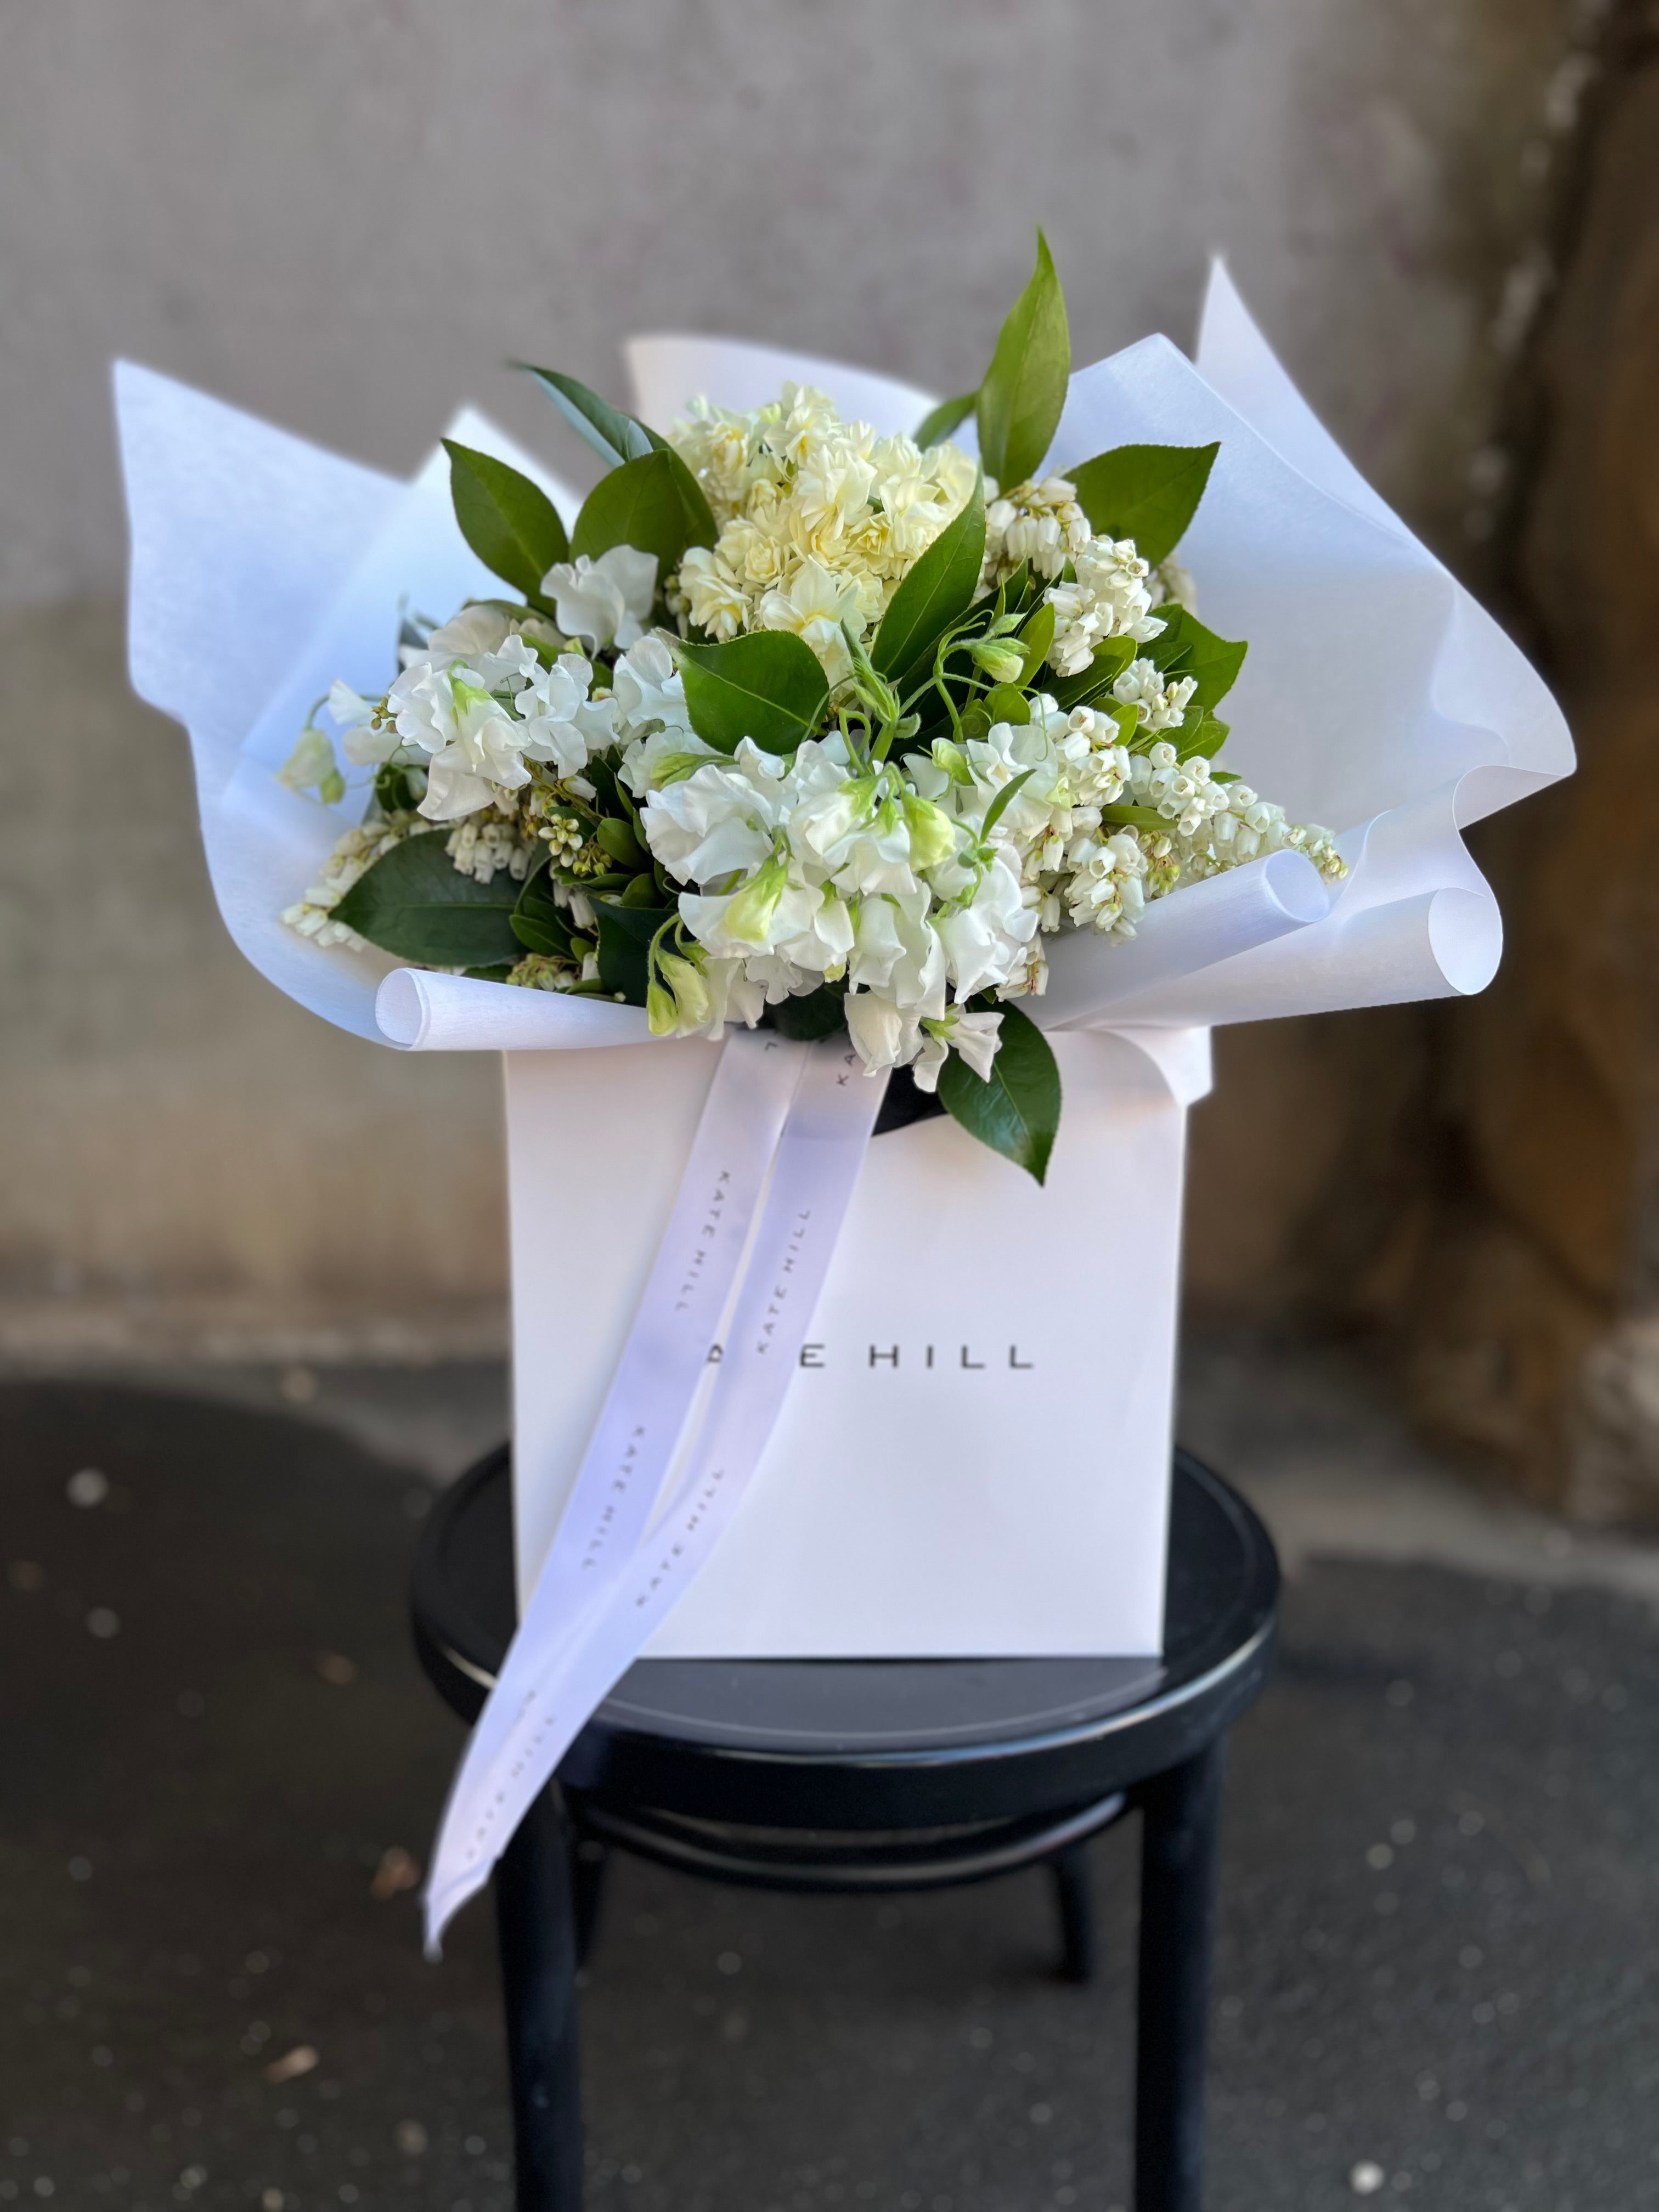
(564, 1662)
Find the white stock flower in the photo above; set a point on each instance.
(607, 601)
(814, 607)
(819, 519)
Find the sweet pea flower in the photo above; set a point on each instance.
(607, 601)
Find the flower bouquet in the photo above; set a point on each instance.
(845, 765)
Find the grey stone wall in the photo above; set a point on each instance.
(345, 214)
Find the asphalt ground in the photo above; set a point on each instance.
(1439, 1965)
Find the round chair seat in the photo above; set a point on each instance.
(685, 1753)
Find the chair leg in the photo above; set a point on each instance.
(1074, 1895)
(1180, 1825)
(536, 1925)
(592, 1862)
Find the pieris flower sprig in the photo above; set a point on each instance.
(803, 726)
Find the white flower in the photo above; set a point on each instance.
(311, 766)
(1041, 523)
(561, 723)
(663, 758)
(475, 741)
(974, 1036)
(763, 915)
(476, 629)
(715, 600)
(984, 940)
(607, 601)
(814, 607)
(650, 690)
(882, 1036)
(1161, 705)
(827, 939)
(370, 737)
(898, 954)
(1111, 596)
(719, 820)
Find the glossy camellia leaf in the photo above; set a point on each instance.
(1149, 493)
(934, 429)
(416, 902)
(653, 503)
(768, 684)
(1016, 1112)
(1023, 394)
(614, 436)
(1187, 648)
(938, 589)
(625, 935)
(510, 523)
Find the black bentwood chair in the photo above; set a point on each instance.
(874, 1775)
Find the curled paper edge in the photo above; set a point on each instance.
(1177, 937)
(418, 1010)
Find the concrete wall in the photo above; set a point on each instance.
(345, 213)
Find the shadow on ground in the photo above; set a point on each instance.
(1439, 1953)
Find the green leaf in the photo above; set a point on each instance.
(618, 843)
(1036, 641)
(934, 429)
(1111, 656)
(416, 902)
(1136, 817)
(536, 921)
(1149, 493)
(1202, 735)
(938, 589)
(1004, 799)
(510, 523)
(654, 503)
(1187, 648)
(816, 1014)
(1007, 702)
(625, 935)
(614, 436)
(768, 684)
(1023, 394)
(1017, 1111)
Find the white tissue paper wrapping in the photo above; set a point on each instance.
(972, 1457)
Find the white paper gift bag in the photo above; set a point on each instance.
(972, 1456)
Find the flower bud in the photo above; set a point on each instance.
(932, 833)
(749, 916)
(312, 762)
(690, 988)
(1003, 664)
(953, 759)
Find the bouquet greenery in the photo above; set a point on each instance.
(807, 726)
